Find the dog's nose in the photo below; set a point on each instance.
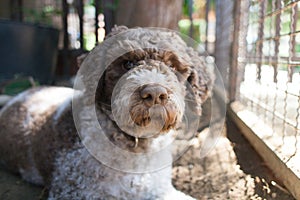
(154, 94)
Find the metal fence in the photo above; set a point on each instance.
(264, 78)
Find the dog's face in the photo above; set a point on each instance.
(148, 99)
(147, 91)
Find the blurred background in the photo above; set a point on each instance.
(65, 29)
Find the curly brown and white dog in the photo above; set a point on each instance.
(135, 84)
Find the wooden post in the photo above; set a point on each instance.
(80, 16)
(66, 67)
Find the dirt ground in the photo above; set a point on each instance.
(14, 188)
(232, 170)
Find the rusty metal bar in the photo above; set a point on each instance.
(277, 37)
(281, 10)
(292, 42)
(274, 60)
(259, 45)
(276, 40)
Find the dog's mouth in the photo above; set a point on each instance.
(152, 111)
(162, 118)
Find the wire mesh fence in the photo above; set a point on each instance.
(267, 79)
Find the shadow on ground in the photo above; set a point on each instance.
(251, 163)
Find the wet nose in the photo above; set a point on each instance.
(154, 94)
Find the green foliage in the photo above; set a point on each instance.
(89, 41)
(185, 25)
(18, 85)
(185, 8)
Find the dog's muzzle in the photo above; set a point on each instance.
(148, 101)
(151, 104)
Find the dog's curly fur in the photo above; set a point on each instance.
(38, 134)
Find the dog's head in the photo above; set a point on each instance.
(148, 99)
(148, 87)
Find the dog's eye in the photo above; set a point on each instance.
(128, 65)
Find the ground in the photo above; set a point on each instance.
(232, 170)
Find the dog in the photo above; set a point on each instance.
(111, 136)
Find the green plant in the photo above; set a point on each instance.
(42, 16)
(17, 85)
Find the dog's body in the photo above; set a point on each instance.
(39, 138)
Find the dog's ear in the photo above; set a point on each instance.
(193, 69)
(201, 80)
(176, 62)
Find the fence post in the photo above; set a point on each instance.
(239, 48)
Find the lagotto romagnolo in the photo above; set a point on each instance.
(138, 97)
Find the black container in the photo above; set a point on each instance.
(28, 50)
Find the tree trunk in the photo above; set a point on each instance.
(149, 13)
